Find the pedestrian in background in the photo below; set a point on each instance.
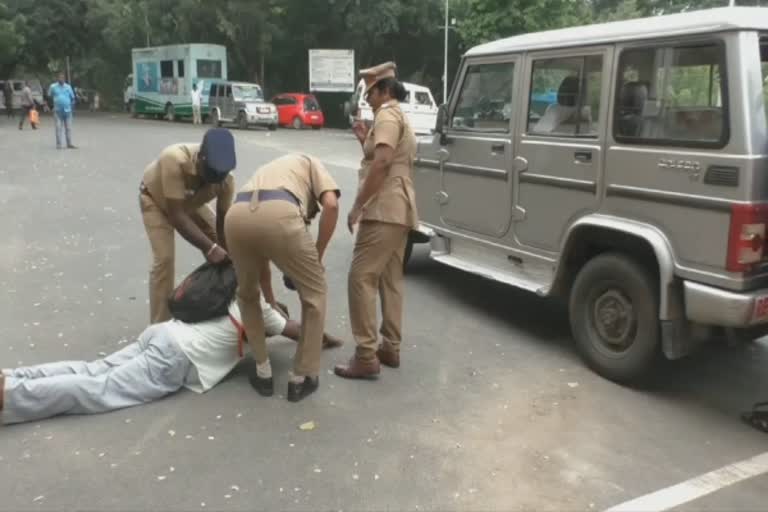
(27, 105)
(63, 104)
(385, 207)
(8, 97)
(196, 117)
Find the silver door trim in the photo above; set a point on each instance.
(559, 182)
(428, 163)
(665, 196)
(487, 172)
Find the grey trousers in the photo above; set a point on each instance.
(148, 369)
(63, 128)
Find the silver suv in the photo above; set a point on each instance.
(240, 103)
(623, 166)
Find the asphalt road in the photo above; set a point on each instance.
(490, 410)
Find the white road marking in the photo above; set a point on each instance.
(697, 487)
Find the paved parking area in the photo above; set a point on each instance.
(490, 410)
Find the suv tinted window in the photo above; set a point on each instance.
(672, 96)
(565, 96)
(485, 99)
(214, 90)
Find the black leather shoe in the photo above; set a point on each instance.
(297, 391)
(265, 387)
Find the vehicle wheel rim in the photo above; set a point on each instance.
(297, 123)
(614, 320)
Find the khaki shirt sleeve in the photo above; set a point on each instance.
(226, 194)
(171, 176)
(322, 181)
(386, 129)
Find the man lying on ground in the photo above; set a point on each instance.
(166, 357)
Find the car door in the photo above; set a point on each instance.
(424, 111)
(476, 157)
(228, 103)
(560, 149)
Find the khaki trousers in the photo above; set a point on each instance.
(377, 266)
(160, 232)
(274, 231)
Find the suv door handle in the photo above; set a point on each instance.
(497, 147)
(583, 156)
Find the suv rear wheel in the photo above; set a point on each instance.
(614, 314)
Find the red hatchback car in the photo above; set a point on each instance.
(298, 110)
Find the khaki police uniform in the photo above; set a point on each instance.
(377, 261)
(268, 222)
(174, 175)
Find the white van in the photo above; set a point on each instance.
(419, 106)
(17, 85)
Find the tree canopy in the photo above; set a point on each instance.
(268, 40)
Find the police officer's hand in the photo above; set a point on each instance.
(360, 130)
(217, 255)
(353, 218)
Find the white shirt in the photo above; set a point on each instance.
(212, 346)
(196, 98)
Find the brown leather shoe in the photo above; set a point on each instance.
(389, 358)
(358, 369)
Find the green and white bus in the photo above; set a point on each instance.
(162, 78)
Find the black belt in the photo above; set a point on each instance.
(268, 195)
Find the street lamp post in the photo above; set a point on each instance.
(445, 57)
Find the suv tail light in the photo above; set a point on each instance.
(747, 237)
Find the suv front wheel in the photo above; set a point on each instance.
(614, 314)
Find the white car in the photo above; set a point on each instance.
(419, 106)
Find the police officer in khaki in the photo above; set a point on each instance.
(175, 192)
(385, 208)
(269, 222)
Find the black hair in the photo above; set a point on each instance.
(394, 87)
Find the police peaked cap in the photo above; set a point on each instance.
(218, 150)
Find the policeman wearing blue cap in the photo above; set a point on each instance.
(174, 196)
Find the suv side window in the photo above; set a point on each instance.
(485, 99)
(214, 91)
(672, 95)
(564, 99)
(229, 91)
(422, 98)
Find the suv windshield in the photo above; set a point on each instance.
(247, 92)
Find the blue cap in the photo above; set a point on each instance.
(218, 154)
